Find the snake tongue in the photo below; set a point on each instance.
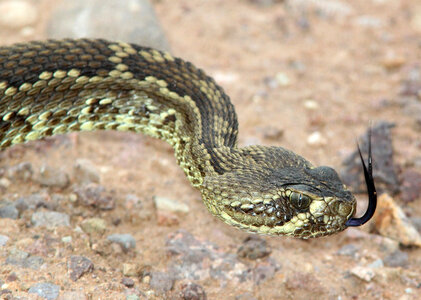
(371, 189)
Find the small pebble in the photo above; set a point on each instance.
(127, 282)
(161, 282)
(253, 247)
(171, 205)
(11, 277)
(3, 240)
(95, 195)
(397, 259)
(50, 219)
(17, 14)
(78, 266)
(45, 290)
(94, 226)
(132, 297)
(66, 239)
(132, 202)
(363, 273)
(9, 211)
(378, 263)
(316, 139)
(131, 269)
(126, 241)
(5, 183)
(282, 79)
(33, 262)
(225, 77)
(34, 201)
(348, 250)
(311, 105)
(52, 177)
(192, 291)
(85, 172)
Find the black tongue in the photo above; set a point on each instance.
(371, 189)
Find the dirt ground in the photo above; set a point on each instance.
(309, 76)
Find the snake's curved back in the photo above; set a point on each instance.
(54, 87)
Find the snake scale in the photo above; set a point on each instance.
(59, 86)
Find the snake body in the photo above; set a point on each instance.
(54, 87)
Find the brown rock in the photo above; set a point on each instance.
(79, 265)
(392, 222)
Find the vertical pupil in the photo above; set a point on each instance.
(300, 200)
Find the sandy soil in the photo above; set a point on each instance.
(291, 71)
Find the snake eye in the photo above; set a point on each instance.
(300, 201)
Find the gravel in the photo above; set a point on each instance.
(50, 219)
(94, 195)
(45, 290)
(126, 241)
(35, 201)
(94, 226)
(127, 282)
(24, 259)
(193, 291)
(171, 205)
(78, 266)
(52, 177)
(8, 210)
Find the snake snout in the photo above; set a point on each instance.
(343, 209)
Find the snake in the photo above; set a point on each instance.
(55, 87)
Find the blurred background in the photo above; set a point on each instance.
(111, 216)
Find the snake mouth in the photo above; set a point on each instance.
(371, 189)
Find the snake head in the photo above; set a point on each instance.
(325, 206)
(320, 207)
(276, 204)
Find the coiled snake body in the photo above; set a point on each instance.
(55, 87)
